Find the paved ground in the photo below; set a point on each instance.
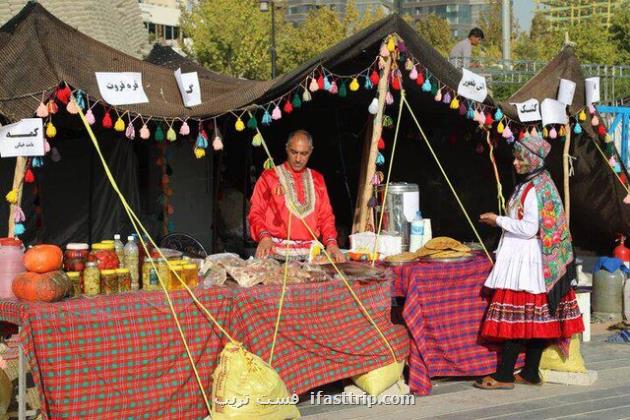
(608, 398)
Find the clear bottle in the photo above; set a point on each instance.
(119, 247)
(131, 259)
(417, 233)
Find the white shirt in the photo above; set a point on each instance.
(461, 53)
(519, 264)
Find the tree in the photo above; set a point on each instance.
(491, 23)
(436, 31)
(620, 34)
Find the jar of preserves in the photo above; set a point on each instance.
(124, 280)
(173, 282)
(75, 278)
(75, 256)
(105, 256)
(190, 275)
(91, 279)
(150, 270)
(109, 282)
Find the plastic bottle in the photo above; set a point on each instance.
(119, 247)
(417, 232)
(626, 299)
(131, 262)
(11, 255)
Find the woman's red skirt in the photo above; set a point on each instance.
(524, 315)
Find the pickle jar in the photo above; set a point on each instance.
(91, 279)
(75, 278)
(190, 275)
(176, 270)
(150, 269)
(75, 256)
(124, 280)
(109, 282)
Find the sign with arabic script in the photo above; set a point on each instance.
(121, 88)
(553, 112)
(188, 84)
(23, 138)
(472, 86)
(529, 110)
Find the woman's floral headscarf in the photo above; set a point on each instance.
(533, 150)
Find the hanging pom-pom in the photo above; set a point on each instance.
(354, 84)
(562, 132)
(395, 83)
(627, 199)
(470, 113)
(545, 132)
(18, 229)
(320, 82)
(46, 146)
(601, 130)
(72, 108)
(462, 108)
(577, 128)
(37, 162)
(608, 138)
(488, 121)
(54, 155)
(217, 143)
(19, 215)
(29, 176)
(368, 83)
(409, 64)
(202, 139)
(239, 125)
(268, 164)
(381, 143)
(500, 127)
(373, 108)
(380, 159)
(387, 121)
(79, 97)
(119, 125)
(51, 131)
(438, 96)
(343, 90)
(257, 140)
(498, 114)
(266, 118)
(89, 117)
(479, 149)
(413, 74)
(199, 152)
(389, 98)
(507, 133)
(184, 130)
(372, 202)
(434, 89)
(582, 116)
(391, 44)
(591, 109)
(252, 122)
(446, 98)
(374, 77)
(42, 110)
(144, 132)
(334, 89)
(297, 102)
(595, 121)
(420, 79)
(276, 114)
(455, 105)
(306, 96)
(426, 86)
(170, 134)
(479, 117)
(383, 52)
(130, 132)
(52, 107)
(63, 94)
(11, 197)
(327, 84)
(313, 86)
(553, 133)
(159, 133)
(107, 121)
(288, 107)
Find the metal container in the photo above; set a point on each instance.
(403, 201)
(607, 297)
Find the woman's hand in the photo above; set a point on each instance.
(488, 219)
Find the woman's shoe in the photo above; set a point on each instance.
(522, 381)
(488, 382)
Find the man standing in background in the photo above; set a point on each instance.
(462, 51)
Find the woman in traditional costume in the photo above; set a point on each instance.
(533, 301)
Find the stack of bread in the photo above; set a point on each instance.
(436, 248)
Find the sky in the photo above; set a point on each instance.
(524, 12)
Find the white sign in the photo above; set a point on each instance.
(23, 138)
(188, 84)
(121, 88)
(528, 111)
(591, 88)
(472, 86)
(553, 112)
(566, 91)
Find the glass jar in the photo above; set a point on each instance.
(190, 274)
(109, 282)
(75, 256)
(105, 256)
(75, 278)
(124, 280)
(150, 279)
(91, 279)
(176, 270)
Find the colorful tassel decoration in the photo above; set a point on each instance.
(374, 77)
(488, 121)
(51, 131)
(368, 83)
(29, 176)
(627, 199)
(438, 96)
(380, 159)
(577, 128)
(54, 155)
(446, 98)
(217, 143)
(306, 96)
(389, 98)
(159, 133)
(327, 84)
(266, 118)
(257, 140)
(462, 108)
(130, 132)
(391, 44)
(46, 146)
(455, 105)
(373, 108)
(409, 64)
(320, 82)
(498, 114)
(119, 125)
(608, 138)
(52, 107)
(591, 109)
(199, 153)
(553, 133)
(63, 94)
(11, 197)
(297, 102)
(601, 130)
(354, 85)
(313, 86)
(426, 86)
(582, 116)
(383, 52)
(420, 79)
(170, 134)
(334, 89)
(288, 107)
(268, 164)
(202, 139)
(545, 132)
(144, 132)
(276, 114)
(507, 133)
(37, 162)
(19, 215)
(107, 121)
(595, 121)
(42, 110)
(387, 121)
(395, 83)
(184, 130)
(252, 122)
(18, 229)
(72, 108)
(343, 90)
(413, 74)
(89, 117)
(562, 132)
(372, 202)
(381, 144)
(239, 125)
(470, 114)
(500, 127)
(79, 97)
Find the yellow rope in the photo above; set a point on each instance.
(611, 168)
(447, 179)
(500, 198)
(162, 284)
(284, 289)
(389, 173)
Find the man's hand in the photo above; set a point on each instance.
(335, 253)
(489, 219)
(264, 248)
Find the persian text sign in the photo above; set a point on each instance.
(121, 88)
(472, 86)
(188, 84)
(528, 111)
(23, 138)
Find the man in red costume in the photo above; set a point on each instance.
(292, 190)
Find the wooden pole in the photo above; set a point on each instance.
(18, 178)
(565, 168)
(361, 212)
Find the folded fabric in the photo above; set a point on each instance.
(622, 337)
(610, 264)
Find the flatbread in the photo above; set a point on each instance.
(442, 243)
(450, 254)
(403, 257)
(425, 252)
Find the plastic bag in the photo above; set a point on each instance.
(245, 387)
(378, 380)
(553, 359)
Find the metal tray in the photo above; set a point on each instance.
(399, 263)
(447, 259)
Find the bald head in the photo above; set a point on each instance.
(299, 149)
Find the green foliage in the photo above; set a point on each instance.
(436, 31)
(620, 34)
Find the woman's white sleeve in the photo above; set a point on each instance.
(527, 227)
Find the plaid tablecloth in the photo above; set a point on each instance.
(121, 356)
(444, 308)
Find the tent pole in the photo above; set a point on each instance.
(360, 219)
(565, 168)
(18, 178)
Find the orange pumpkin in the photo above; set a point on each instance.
(43, 258)
(47, 287)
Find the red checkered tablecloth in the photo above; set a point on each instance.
(121, 356)
(444, 307)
